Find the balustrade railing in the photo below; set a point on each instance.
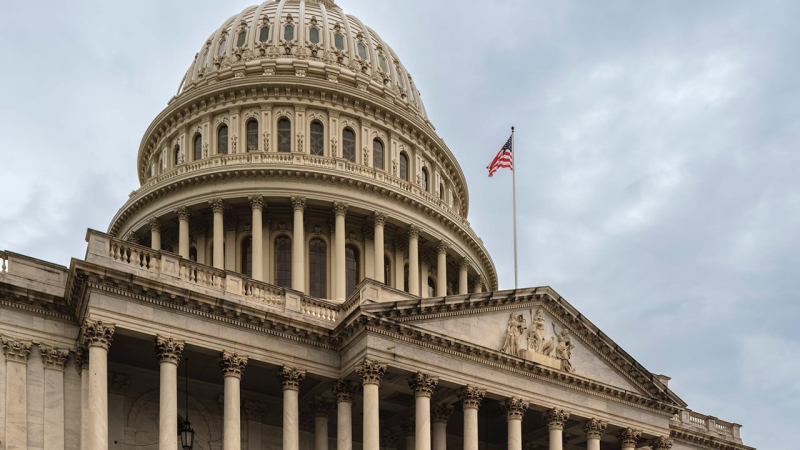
(319, 308)
(3, 263)
(135, 255)
(201, 274)
(708, 424)
(263, 292)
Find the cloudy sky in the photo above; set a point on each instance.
(656, 142)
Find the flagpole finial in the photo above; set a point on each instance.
(512, 129)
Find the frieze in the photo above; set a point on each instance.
(535, 343)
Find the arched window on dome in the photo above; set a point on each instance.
(284, 135)
(382, 63)
(283, 261)
(221, 50)
(424, 179)
(377, 154)
(205, 58)
(338, 41)
(313, 35)
(247, 257)
(362, 51)
(403, 166)
(252, 135)
(263, 34)
(441, 191)
(198, 147)
(222, 140)
(349, 145)
(318, 268)
(176, 154)
(317, 138)
(351, 269)
(241, 39)
(288, 32)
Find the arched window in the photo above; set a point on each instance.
(263, 35)
(284, 135)
(317, 138)
(403, 166)
(283, 261)
(198, 147)
(387, 270)
(362, 51)
(288, 33)
(349, 144)
(424, 179)
(431, 288)
(252, 135)
(241, 39)
(351, 269)
(317, 269)
(221, 49)
(313, 35)
(382, 64)
(222, 140)
(441, 191)
(205, 58)
(247, 257)
(377, 154)
(338, 41)
(177, 155)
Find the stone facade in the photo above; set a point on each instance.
(297, 271)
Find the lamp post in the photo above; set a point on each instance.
(186, 432)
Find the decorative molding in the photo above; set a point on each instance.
(232, 364)
(594, 428)
(661, 443)
(298, 203)
(371, 371)
(423, 384)
(343, 391)
(321, 407)
(413, 232)
(555, 418)
(515, 408)
(15, 349)
(182, 213)
(441, 413)
(256, 202)
(217, 205)
(471, 396)
(53, 357)
(629, 437)
(379, 218)
(442, 247)
(96, 333)
(168, 349)
(81, 358)
(290, 378)
(340, 208)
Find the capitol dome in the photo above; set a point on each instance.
(297, 120)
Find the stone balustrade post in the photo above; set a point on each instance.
(298, 244)
(515, 409)
(371, 373)
(441, 414)
(232, 365)
(556, 419)
(413, 260)
(183, 232)
(98, 336)
(343, 391)
(340, 211)
(257, 205)
(168, 351)
(471, 398)
(423, 385)
(441, 268)
(380, 222)
(594, 429)
(218, 206)
(629, 438)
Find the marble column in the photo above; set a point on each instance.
(408, 429)
(231, 222)
(371, 373)
(463, 277)
(340, 211)
(477, 285)
(321, 409)
(343, 391)
(254, 413)
(155, 234)
(218, 206)
(471, 398)
(380, 222)
(232, 365)
(54, 360)
(629, 438)
(594, 430)
(555, 420)
(413, 260)
(183, 232)
(97, 335)
(290, 378)
(16, 420)
(441, 268)
(661, 443)
(82, 363)
(515, 409)
(424, 273)
(441, 414)
(399, 263)
(298, 244)
(257, 205)
(168, 352)
(423, 385)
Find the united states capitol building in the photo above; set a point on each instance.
(296, 271)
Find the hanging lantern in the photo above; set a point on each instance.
(187, 435)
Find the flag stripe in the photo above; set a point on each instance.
(503, 160)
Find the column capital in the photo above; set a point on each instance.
(515, 408)
(321, 407)
(256, 202)
(53, 357)
(413, 232)
(291, 377)
(368, 232)
(441, 412)
(16, 349)
(380, 218)
(81, 358)
(97, 333)
(217, 205)
(155, 224)
(340, 208)
(594, 428)
(471, 396)
(182, 213)
(464, 264)
(232, 364)
(298, 203)
(168, 349)
(629, 437)
(661, 443)
(423, 384)
(343, 390)
(442, 247)
(555, 418)
(254, 411)
(371, 371)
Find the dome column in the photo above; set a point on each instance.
(340, 210)
(441, 269)
(218, 260)
(399, 260)
(380, 221)
(424, 273)
(155, 234)
(298, 244)
(183, 232)
(463, 277)
(257, 204)
(413, 260)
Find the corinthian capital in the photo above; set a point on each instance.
(594, 428)
(340, 208)
(442, 247)
(15, 349)
(168, 349)
(232, 364)
(291, 377)
(515, 408)
(370, 371)
(298, 203)
(441, 412)
(182, 213)
(96, 333)
(413, 232)
(256, 202)
(661, 443)
(53, 357)
(423, 384)
(629, 437)
(464, 264)
(155, 225)
(471, 396)
(380, 218)
(343, 390)
(555, 418)
(217, 205)
(321, 407)
(81, 358)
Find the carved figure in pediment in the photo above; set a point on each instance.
(564, 349)
(536, 335)
(515, 328)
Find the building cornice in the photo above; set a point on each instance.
(697, 439)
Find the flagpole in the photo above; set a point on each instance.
(514, 203)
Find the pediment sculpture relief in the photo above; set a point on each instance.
(534, 343)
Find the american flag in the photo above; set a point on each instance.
(504, 159)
